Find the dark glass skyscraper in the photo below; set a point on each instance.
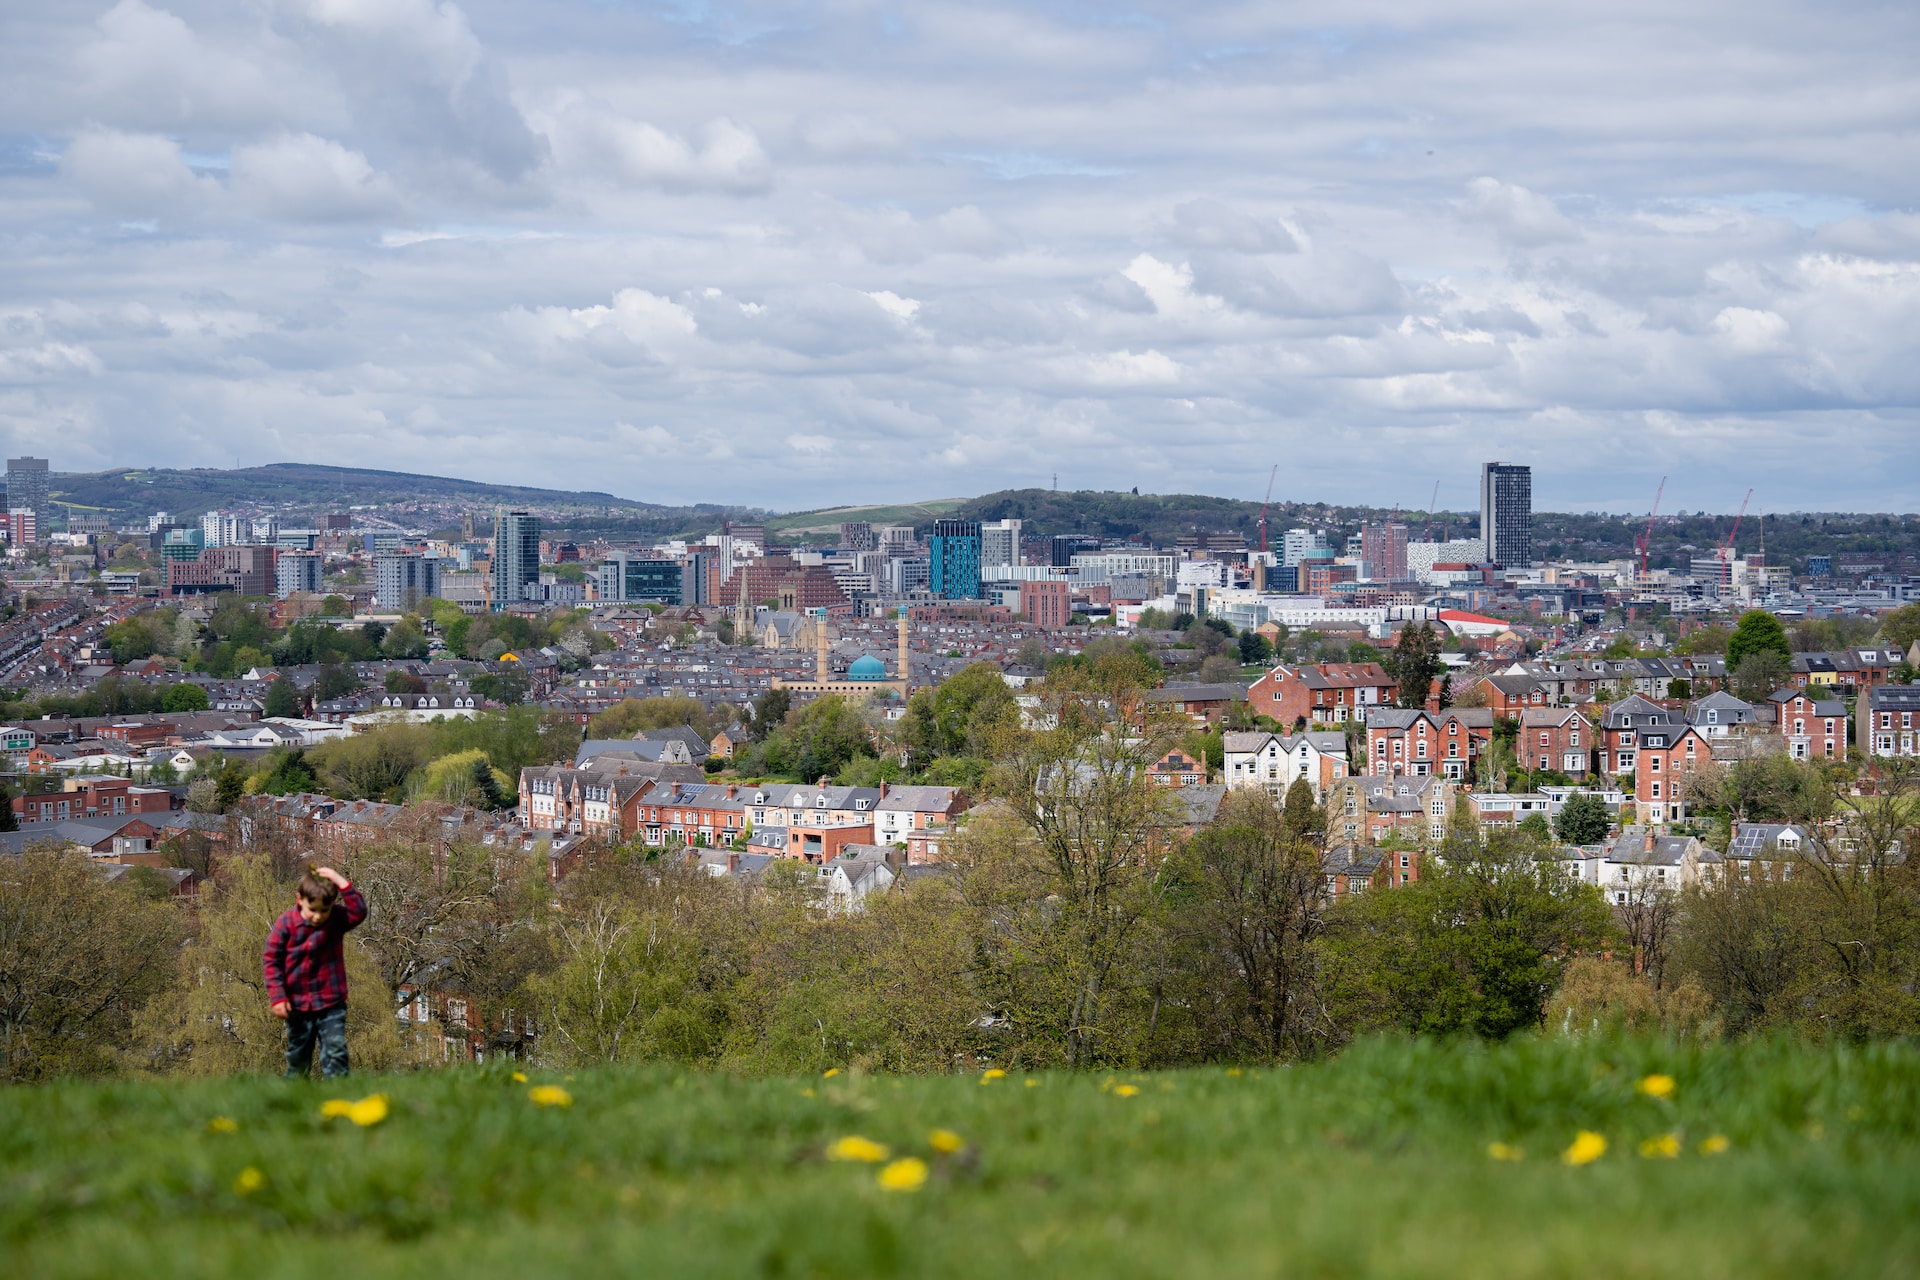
(516, 556)
(1506, 513)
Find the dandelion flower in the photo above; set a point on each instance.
(333, 1108)
(1656, 1086)
(1505, 1151)
(946, 1141)
(519, 1077)
(830, 1073)
(1587, 1147)
(249, 1181)
(223, 1124)
(1664, 1146)
(1715, 1145)
(369, 1111)
(1235, 1071)
(907, 1174)
(1125, 1090)
(1032, 1083)
(992, 1073)
(855, 1147)
(549, 1095)
(807, 1093)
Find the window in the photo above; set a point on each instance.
(1545, 739)
(1653, 764)
(1405, 861)
(1656, 790)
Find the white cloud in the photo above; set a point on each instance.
(304, 178)
(1519, 216)
(1002, 237)
(134, 173)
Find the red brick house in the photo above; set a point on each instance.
(1557, 738)
(1663, 758)
(1330, 693)
(1417, 744)
(1814, 728)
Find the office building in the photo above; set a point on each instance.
(22, 528)
(624, 577)
(905, 575)
(857, 535)
(1303, 544)
(953, 560)
(999, 544)
(516, 556)
(401, 582)
(27, 489)
(298, 573)
(898, 539)
(1068, 545)
(1047, 604)
(1506, 513)
(1383, 548)
(183, 545)
(754, 533)
(697, 583)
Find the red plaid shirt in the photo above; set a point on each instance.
(305, 965)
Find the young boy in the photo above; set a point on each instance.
(306, 970)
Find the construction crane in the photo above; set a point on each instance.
(1647, 538)
(1264, 503)
(1428, 535)
(1726, 548)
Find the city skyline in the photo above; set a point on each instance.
(726, 253)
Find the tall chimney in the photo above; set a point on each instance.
(821, 665)
(905, 673)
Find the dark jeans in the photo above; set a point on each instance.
(329, 1027)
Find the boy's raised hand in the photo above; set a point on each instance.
(328, 873)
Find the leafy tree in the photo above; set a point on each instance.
(335, 681)
(290, 774)
(9, 821)
(406, 640)
(768, 712)
(1757, 632)
(79, 957)
(1254, 648)
(404, 682)
(1534, 827)
(282, 699)
(1249, 918)
(1759, 674)
(1414, 664)
(1583, 820)
(508, 686)
(819, 740)
(1901, 627)
(184, 696)
(634, 715)
(1476, 945)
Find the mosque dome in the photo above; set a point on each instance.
(867, 667)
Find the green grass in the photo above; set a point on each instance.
(1373, 1164)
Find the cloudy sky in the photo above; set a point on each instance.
(801, 253)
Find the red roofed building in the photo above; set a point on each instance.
(1330, 693)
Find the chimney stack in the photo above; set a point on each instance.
(1649, 839)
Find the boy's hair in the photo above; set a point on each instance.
(321, 893)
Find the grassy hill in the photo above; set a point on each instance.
(201, 489)
(1786, 1161)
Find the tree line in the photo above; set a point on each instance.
(1085, 919)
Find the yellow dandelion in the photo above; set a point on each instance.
(369, 1111)
(991, 1074)
(1587, 1147)
(855, 1147)
(1032, 1083)
(946, 1141)
(1125, 1090)
(1505, 1151)
(1656, 1086)
(549, 1095)
(1235, 1071)
(334, 1108)
(830, 1073)
(1714, 1145)
(906, 1174)
(519, 1077)
(223, 1124)
(1664, 1146)
(807, 1093)
(249, 1181)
